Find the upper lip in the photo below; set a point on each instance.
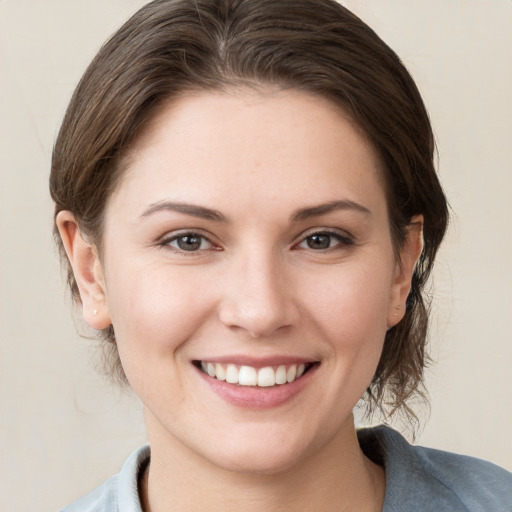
(258, 362)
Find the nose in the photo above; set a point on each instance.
(257, 297)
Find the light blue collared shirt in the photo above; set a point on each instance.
(417, 479)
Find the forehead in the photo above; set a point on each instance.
(211, 146)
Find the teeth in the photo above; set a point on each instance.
(220, 373)
(249, 376)
(291, 373)
(266, 377)
(232, 373)
(281, 375)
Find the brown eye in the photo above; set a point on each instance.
(319, 241)
(189, 242)
(324, 240)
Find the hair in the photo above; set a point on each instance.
(316, 46)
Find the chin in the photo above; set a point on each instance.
(265, 453)
(258, 461)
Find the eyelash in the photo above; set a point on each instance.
(341, 241)
(167, 242)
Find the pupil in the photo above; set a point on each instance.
(189, 242)
(319, 241)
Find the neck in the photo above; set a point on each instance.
(336, 479)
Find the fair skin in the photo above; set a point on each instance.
(250, 229)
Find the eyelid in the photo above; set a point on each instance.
(165, 240)
(343, 236)
(341, 233)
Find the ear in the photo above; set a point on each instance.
(409, 254)
(87, 269)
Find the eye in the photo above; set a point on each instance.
(324, 240)
(188, 242)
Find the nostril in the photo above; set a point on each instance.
(255, 321)
(256, 296)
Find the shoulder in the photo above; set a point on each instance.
(119, 493)
(434, 478)
(102, 499)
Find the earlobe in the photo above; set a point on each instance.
(409, 255)
(87, 269)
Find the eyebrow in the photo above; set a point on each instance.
(210, 214)
(324, 209)
(187, 209)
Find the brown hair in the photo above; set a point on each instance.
(316, 46)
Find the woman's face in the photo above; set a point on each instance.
(249, 239)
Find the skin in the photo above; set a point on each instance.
(255, 287)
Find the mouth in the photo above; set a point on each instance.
(249, 376)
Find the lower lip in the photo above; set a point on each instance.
(252, 397)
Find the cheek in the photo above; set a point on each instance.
(155, 311)
(351, 302)
(350, 312)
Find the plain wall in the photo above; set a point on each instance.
(63, 428)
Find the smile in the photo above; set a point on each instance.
(265, 377)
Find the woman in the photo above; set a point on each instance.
(246, 197)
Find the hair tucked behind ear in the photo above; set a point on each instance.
(316, 46)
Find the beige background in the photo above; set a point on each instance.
(63, 430)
